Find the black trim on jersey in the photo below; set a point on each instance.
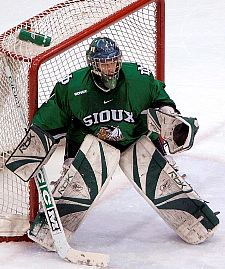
(160, 104)
(71, 149)
(58, 133)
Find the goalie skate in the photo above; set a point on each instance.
(167, 192)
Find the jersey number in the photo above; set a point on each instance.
(66, 79)
(144, 70)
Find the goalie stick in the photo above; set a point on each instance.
(63, 248)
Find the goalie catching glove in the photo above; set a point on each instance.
(176, 130)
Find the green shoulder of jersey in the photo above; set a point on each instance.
(136, 82)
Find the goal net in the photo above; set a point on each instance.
(137, 26)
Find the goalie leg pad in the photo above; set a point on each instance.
(167, 192)
(32, 153)
(83, 183)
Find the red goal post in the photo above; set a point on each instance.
(137, 26)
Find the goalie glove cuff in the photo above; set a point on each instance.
(168, 110)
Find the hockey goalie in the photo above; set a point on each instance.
(112, 113)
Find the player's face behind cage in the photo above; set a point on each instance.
(104, 58)
(108, 68)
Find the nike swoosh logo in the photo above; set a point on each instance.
(106, 102)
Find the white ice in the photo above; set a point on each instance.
(122, 224)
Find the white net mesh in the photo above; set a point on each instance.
(135, 34)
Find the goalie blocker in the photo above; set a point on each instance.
(32, 153)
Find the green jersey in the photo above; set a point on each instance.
(78, 107)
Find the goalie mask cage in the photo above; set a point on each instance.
(137, 26)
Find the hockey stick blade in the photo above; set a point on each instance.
(87, 258)
(69, 254)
